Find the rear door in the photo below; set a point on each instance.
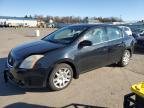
(115, 44)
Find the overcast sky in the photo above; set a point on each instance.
(127, 9)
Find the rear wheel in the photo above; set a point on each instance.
(60, 77)
(125, 58)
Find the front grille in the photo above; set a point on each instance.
(10, 59)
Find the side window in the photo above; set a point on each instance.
(126, 29)
(96, 35)
(113, 33)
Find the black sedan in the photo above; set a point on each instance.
(66, 53)
(139, 36)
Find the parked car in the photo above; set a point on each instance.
(126, 29)
(66, 53)
(138, 34)
(139, 42)
(52, 25)
(61, 25)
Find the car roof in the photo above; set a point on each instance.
(124, 27)
(91, 25)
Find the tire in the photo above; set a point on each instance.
(125, 58)
(60, 77)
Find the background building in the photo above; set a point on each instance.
(18, 22)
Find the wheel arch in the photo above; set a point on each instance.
(130, 50)
(130, 43)
(69, 62)
(73, 66)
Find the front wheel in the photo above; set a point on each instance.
(60, 77)
(125, 58)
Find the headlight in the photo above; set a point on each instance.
(30, 61)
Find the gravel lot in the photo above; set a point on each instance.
(104, 87)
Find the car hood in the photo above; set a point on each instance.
(35, 47)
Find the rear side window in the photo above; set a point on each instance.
(114, 33)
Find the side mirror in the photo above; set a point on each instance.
(85, 43)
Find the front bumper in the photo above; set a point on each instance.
(8, 77)
(26, 78)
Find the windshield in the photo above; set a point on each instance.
(65, 35)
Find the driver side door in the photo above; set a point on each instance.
(95, 55)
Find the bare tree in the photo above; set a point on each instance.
(78, 19)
